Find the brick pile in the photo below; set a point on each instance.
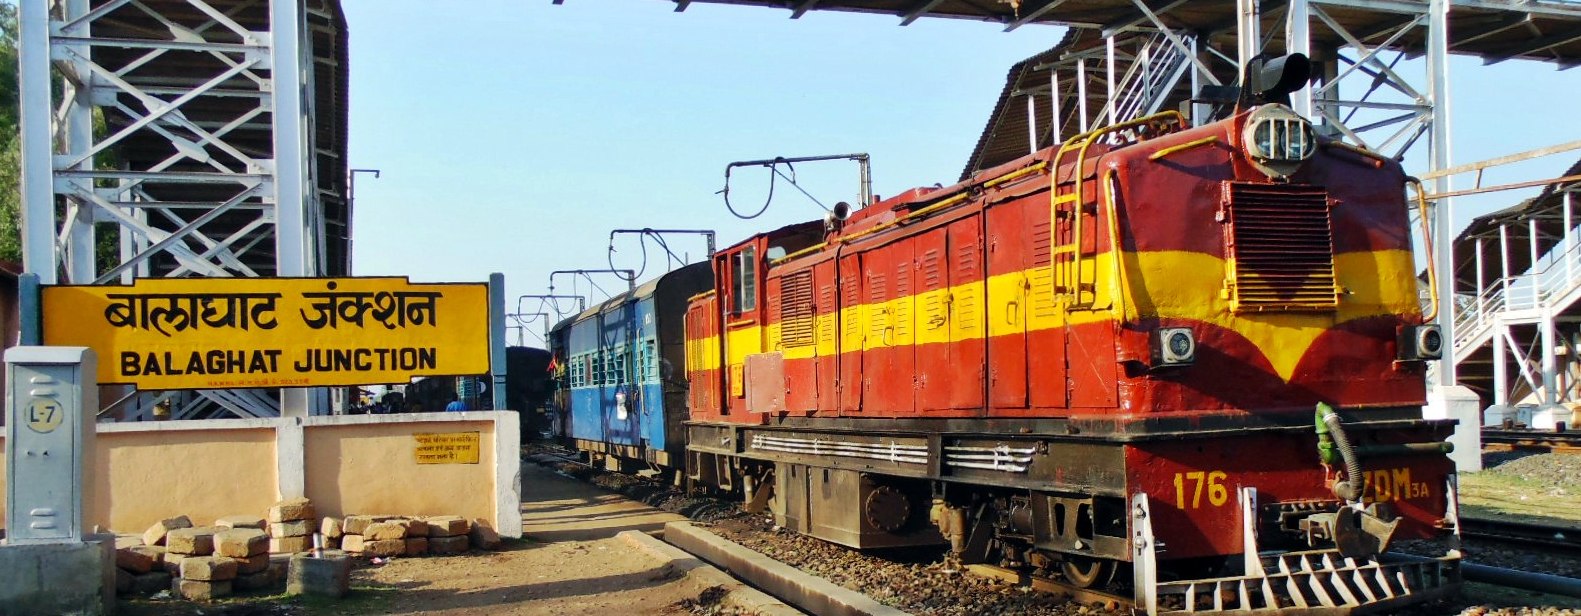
(209, 562)
(386, 535)
(291, 526)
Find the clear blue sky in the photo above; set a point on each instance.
(514, 134)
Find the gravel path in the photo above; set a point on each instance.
(919, 582)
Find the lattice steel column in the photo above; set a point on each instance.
(206, 158)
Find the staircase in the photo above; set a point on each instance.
(1521, 304)
(1151, 76)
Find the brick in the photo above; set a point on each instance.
(254, 581)
(415, 528)
(332, 544)
(355, 524)
(241, 542)
(191, 541)
(352, 543)
(150, 583)
(252, 564)
(290, 545)
(446, 526)
(128, 541)
(172, 564)
(293, 528)
(416, 546)
(194, 590)
(384, 547)
(448, 545)
(331, 528)
(208, 568)
(123, 581)
(291, 510)
(155, 535)
(240, 521)
(140, 559)
(384, 530)
(483, 536)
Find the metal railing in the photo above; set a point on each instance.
(1554, 278)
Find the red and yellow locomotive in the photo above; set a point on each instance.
(1193, 353)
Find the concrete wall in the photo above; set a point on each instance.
(143, 472)
(144, 476)
(370, 468)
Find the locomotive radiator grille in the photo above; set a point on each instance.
(797, 311)
(1281, 242)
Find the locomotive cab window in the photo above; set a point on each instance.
(744, 281)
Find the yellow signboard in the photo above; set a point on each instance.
(206, 333)
(447, 448)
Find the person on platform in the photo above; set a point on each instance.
(456, 405)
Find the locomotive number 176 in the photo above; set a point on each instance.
(1212, 480)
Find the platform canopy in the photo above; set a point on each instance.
(1494, 30)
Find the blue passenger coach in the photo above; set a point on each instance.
(622, 383)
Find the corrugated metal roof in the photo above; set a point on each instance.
(1494, 30)
(1546, 208)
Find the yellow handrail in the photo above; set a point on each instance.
(953, 199)
(1086, 140)
(1427, 242)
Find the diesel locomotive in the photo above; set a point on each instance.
(1189, 360)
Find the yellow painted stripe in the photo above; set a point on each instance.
(1173, 285)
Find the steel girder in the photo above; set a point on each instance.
(187, 124)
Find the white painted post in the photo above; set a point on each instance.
(1054, 97)
(1032, 124)
(1531, 272)
(1481, 301)
(1297, 40)
(1081, 94)
(1109, 66)
(290, 457)
(38, 191)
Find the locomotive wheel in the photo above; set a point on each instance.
(1086, 572)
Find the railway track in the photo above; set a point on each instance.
(1525, 534)
(1556, 442)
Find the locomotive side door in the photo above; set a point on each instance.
(1046, 316)
(934, 372)
(741, 299)
(851, 324)
(1081, 271)
(1006, 300)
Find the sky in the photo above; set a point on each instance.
(513, 135)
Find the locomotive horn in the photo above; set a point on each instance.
(1272, 80)
(842, 211)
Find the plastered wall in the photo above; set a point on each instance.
(143, 472)
(372, 468)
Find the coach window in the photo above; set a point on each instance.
(745, 280)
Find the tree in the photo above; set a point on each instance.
(10, 140)
(107, 249)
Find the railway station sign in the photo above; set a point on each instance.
(208, 333)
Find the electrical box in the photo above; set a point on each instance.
(52, 398)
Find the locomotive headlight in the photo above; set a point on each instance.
(1421, 342)
(1277, 140)
(1174, 346)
